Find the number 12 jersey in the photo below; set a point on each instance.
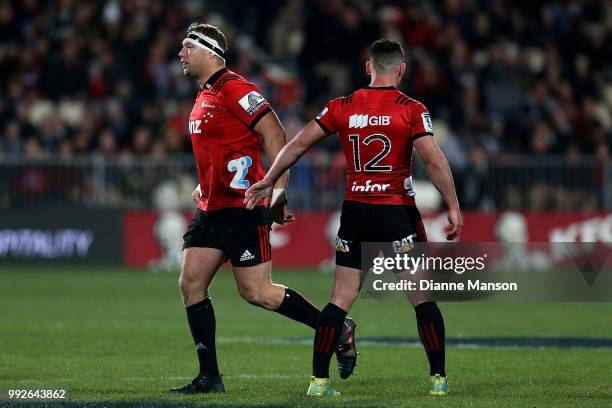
(377, 128)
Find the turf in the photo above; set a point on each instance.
(119, 337)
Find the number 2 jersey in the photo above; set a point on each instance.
(377, 127)
(227, 150)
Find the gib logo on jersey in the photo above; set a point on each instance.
(251, 102)
(369, 187)
(404, 245)
(361, 121)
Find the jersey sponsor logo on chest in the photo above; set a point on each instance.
(361, 121)
(195, 126)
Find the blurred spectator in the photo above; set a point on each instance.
(499, 77)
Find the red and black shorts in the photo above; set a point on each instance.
(380, 223)
(243, 235)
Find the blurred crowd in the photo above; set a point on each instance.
(499, 77)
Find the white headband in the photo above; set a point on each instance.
(205, 42)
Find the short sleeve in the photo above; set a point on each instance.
(421, 122)
(244, 100)
(326, 120)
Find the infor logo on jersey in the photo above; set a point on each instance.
(251, 102)
(361, 121)
(427, 124)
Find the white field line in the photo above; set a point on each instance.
(301, 341)
(246, 376)
(466, 343)
(249, 376)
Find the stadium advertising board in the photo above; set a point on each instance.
(67, 236)
(310, 240)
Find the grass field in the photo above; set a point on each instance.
(118, 337)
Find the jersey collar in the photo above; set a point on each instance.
(379, 87)
(214, 78)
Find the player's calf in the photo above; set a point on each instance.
(329, 328)
(430, 324)
(256, 287)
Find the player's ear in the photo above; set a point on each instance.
(402, 69)
(369, 67)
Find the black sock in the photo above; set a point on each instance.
(431, 332)
(328, 330)
(296, 307)
(201, 318)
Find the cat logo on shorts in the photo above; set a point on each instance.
(404, 245)
(342, 245)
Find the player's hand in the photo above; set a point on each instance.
(197, 194)
(456, 223)
(257, 192)
(280, 214)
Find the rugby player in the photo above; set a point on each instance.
(228, 124)
(378, 127)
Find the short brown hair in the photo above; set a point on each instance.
(386, 55)
(210, 31)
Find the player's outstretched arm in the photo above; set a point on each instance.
(440, 175)
(274, 139)
(288, 155)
